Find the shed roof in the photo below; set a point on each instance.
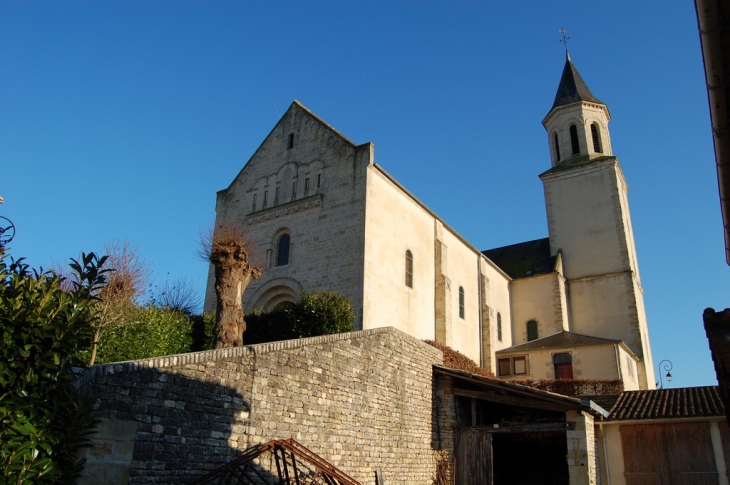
(528, 258)
(559, 340)
(531, 396)
(683, 402)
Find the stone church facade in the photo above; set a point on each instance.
(320, 214)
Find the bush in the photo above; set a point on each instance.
(154, 332)
(262, 327)
(317, 313)
(322, 313)
(43, 418)
(203, 332)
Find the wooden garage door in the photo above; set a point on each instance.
(674, 454)
(473, 453)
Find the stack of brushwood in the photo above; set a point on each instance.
(442, 471)
(454, 359)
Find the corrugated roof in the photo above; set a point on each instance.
(559, 340)
(683, 402)
(528, 258)
(572, 88)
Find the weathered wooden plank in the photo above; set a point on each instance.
(473, 454)
(514, 401)
(668, 453)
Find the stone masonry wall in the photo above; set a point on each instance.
(361, 400)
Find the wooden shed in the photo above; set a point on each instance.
(503, 433)
(665, 436)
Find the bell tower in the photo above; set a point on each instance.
(577, 124)
(586, 198)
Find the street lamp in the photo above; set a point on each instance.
(667, 367)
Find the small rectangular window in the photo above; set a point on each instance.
(319, 180)
(254, 203)
(505, 367)
(293, 191)
(306, 187)
(276, 196)
(512, 366)
(520, 365)
(266, 193)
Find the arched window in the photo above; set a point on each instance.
(461, 302)
(556, 147)
(290, 142)
(282, 250)
(574, 140)
(531, 330)
(499, 326)
(595, 134)
(409, 269)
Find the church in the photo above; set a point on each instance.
(320, 214)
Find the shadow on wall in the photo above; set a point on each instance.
(159, 427)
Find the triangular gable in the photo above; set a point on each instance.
(295, 109)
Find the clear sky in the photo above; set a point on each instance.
(121, 119)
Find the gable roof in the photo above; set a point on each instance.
(517, 260)
(559, 340)
(290, 112)
(683, 402)
(572, 88)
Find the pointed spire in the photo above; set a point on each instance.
(572, 88)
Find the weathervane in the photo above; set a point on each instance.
(565, 38)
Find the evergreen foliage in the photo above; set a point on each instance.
(153, 332)
(316, 313)
(43, 418)
(262, 326)
(322, 313)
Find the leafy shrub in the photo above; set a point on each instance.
(316, 313)
(154, 332)
(203, 332)
(43, 418)
(262, 326)
(322, 313)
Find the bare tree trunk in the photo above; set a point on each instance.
(94, 345)
(233, 273)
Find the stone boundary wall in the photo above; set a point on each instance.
(362, 400)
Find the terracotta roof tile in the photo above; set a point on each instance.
(684, 402)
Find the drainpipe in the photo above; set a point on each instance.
(605, 453)
(479, 312)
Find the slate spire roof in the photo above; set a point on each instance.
(572, 88)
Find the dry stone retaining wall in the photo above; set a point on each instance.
(362, 400)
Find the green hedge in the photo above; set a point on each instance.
(153, 333)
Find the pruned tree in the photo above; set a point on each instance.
(227, 250)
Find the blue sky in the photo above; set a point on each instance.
(121, 119)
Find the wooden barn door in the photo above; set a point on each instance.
(473, 453)
(668, 454)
